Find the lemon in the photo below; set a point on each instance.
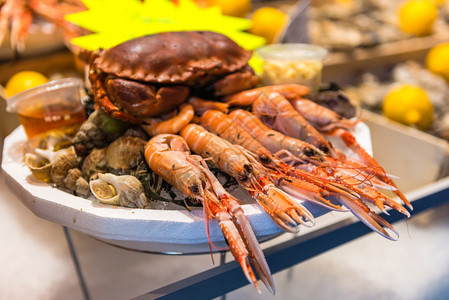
(234, 8)
(439, 2)
(268, 22)
(22, 81)
(417, 16)
(408, 104)
(437, 60)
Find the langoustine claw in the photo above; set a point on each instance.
(169, 156)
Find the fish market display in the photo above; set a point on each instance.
(131, 87)
(372, 90)
(16, 18)
(171, 122)
(347, 25)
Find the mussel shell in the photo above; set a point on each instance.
(123, 190)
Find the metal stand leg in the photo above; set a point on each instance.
(77, 265)
(222, 262)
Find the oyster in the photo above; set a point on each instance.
(94, 163)
(125, 152)
(123, 190)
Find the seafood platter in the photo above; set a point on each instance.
(183, 150)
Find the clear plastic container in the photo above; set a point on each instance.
(292, 63)
(53, 105)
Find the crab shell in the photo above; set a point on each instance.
(174, 57)
(151, 75)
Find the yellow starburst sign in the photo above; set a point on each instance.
(116, 21)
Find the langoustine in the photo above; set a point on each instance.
(225, 127)
(346, 190)
(286, 212)
(271, 104)
(169, 156)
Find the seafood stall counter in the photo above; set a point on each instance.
(421, 161)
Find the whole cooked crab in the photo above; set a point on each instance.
(151, 75)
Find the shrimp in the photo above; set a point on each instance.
(275, 141)
(169, 156)
(369, 161)
(251, 176)
(328, 122)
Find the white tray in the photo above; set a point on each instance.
(165, 231)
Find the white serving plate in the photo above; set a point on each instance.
(165, 231)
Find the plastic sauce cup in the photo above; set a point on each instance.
(292, 63)
(53, 105)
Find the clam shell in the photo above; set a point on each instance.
(61, 162)
(39, 166)
(123, 190)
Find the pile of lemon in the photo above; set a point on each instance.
(437, 60)
(417, 17)
(410, 104)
